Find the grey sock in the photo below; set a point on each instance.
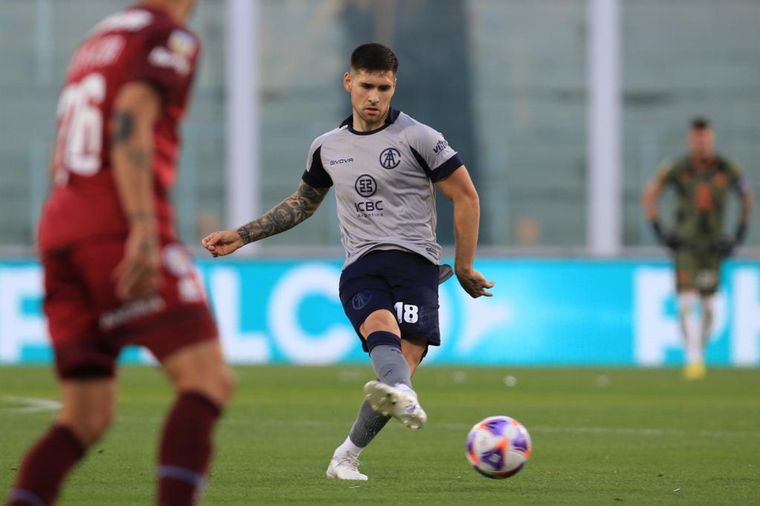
(390, 365)
(368, 423)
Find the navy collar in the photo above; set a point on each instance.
(389, 120)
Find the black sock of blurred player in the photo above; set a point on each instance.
(45, 466)
(186, 449)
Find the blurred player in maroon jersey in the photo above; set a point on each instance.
(115, 273)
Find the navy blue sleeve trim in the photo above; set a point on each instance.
(421, 160)
(443, 171)
(447, 168)
(316, 175)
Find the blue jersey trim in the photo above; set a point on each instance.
(380, 338)
(423, 163)
(443, 171)
(316, 176)
(447, 168)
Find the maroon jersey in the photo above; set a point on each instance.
(136, 44)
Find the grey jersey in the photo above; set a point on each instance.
(383, 184)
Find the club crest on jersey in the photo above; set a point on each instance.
(390, 158)
(365, 185)
(182, 43)
(162, 57)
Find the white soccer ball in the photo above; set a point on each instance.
(498, 447)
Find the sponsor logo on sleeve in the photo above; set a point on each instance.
(177, 54)
(440, 146)
(163, 57)
(182, 43)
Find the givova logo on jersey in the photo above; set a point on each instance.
(366, 186)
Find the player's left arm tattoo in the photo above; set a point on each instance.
(124, 127)
(123, 132)
(136, 109)
(287, 214)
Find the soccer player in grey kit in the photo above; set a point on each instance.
(384, 166)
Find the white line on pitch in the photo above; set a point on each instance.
(650, 431)
(28, 405)
(634, 431)
(631, 431)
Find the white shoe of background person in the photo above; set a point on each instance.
(399, 401)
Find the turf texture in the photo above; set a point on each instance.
(612, 436)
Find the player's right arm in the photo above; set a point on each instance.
(458, 188)
(743, 189)
(651, 196)
(136, 109)
(649, 201)
(296, 208)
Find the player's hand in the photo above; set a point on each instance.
(725, 246)
(139, 272)
(473, 282)
(669, 239)
(672, 241)
(222, 243)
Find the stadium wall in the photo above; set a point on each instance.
(557, 312)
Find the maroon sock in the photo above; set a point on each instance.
(186, 449)
(45, 466)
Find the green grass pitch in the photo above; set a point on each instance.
(614, 436)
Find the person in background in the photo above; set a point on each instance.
(703, 180)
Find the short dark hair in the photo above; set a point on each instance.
(700, 123)
(374, 57)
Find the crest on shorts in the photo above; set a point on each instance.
(360, 300)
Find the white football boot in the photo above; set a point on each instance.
(398, 401)
(344, 466)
